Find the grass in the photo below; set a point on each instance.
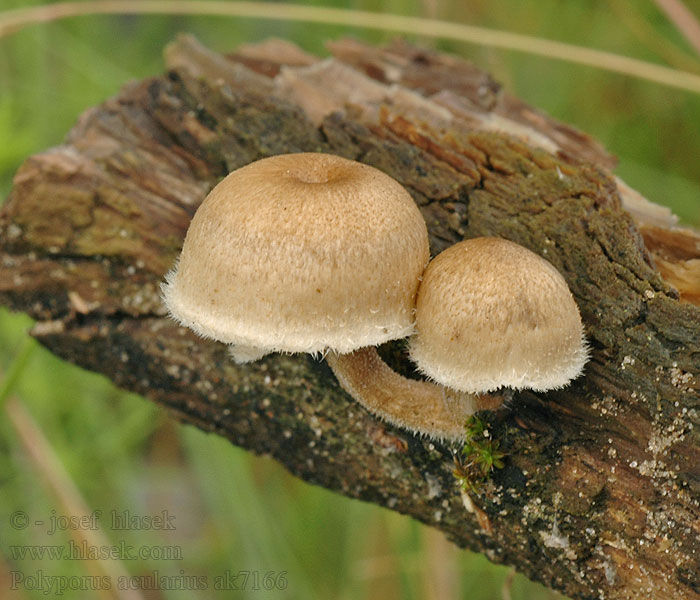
(235, 513)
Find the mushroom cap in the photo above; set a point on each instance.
(491, 313)
(301, 253)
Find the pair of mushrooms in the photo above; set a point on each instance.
(316, 253)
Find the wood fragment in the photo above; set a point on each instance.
(599, 497)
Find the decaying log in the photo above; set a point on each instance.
(599, 494)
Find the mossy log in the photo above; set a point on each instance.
(599, 495)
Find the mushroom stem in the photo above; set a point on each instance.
(419, 406)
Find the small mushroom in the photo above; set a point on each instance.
(492, 314)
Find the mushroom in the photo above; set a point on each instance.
(311, 253)
(316, 253)
(492, 314)
(300, 253)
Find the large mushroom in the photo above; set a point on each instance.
(301, 252)
(312, 253)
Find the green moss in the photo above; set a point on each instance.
(479, 456)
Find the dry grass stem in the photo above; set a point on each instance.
(683, 19)
(11, 21)
(71, 502)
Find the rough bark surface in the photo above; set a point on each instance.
(599, 494)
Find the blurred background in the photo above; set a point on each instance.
(69, 438)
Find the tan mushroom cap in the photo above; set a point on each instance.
(492, 314)
(301, 253)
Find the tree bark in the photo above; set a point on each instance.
(599, 494)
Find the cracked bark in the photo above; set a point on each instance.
(599, 495)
